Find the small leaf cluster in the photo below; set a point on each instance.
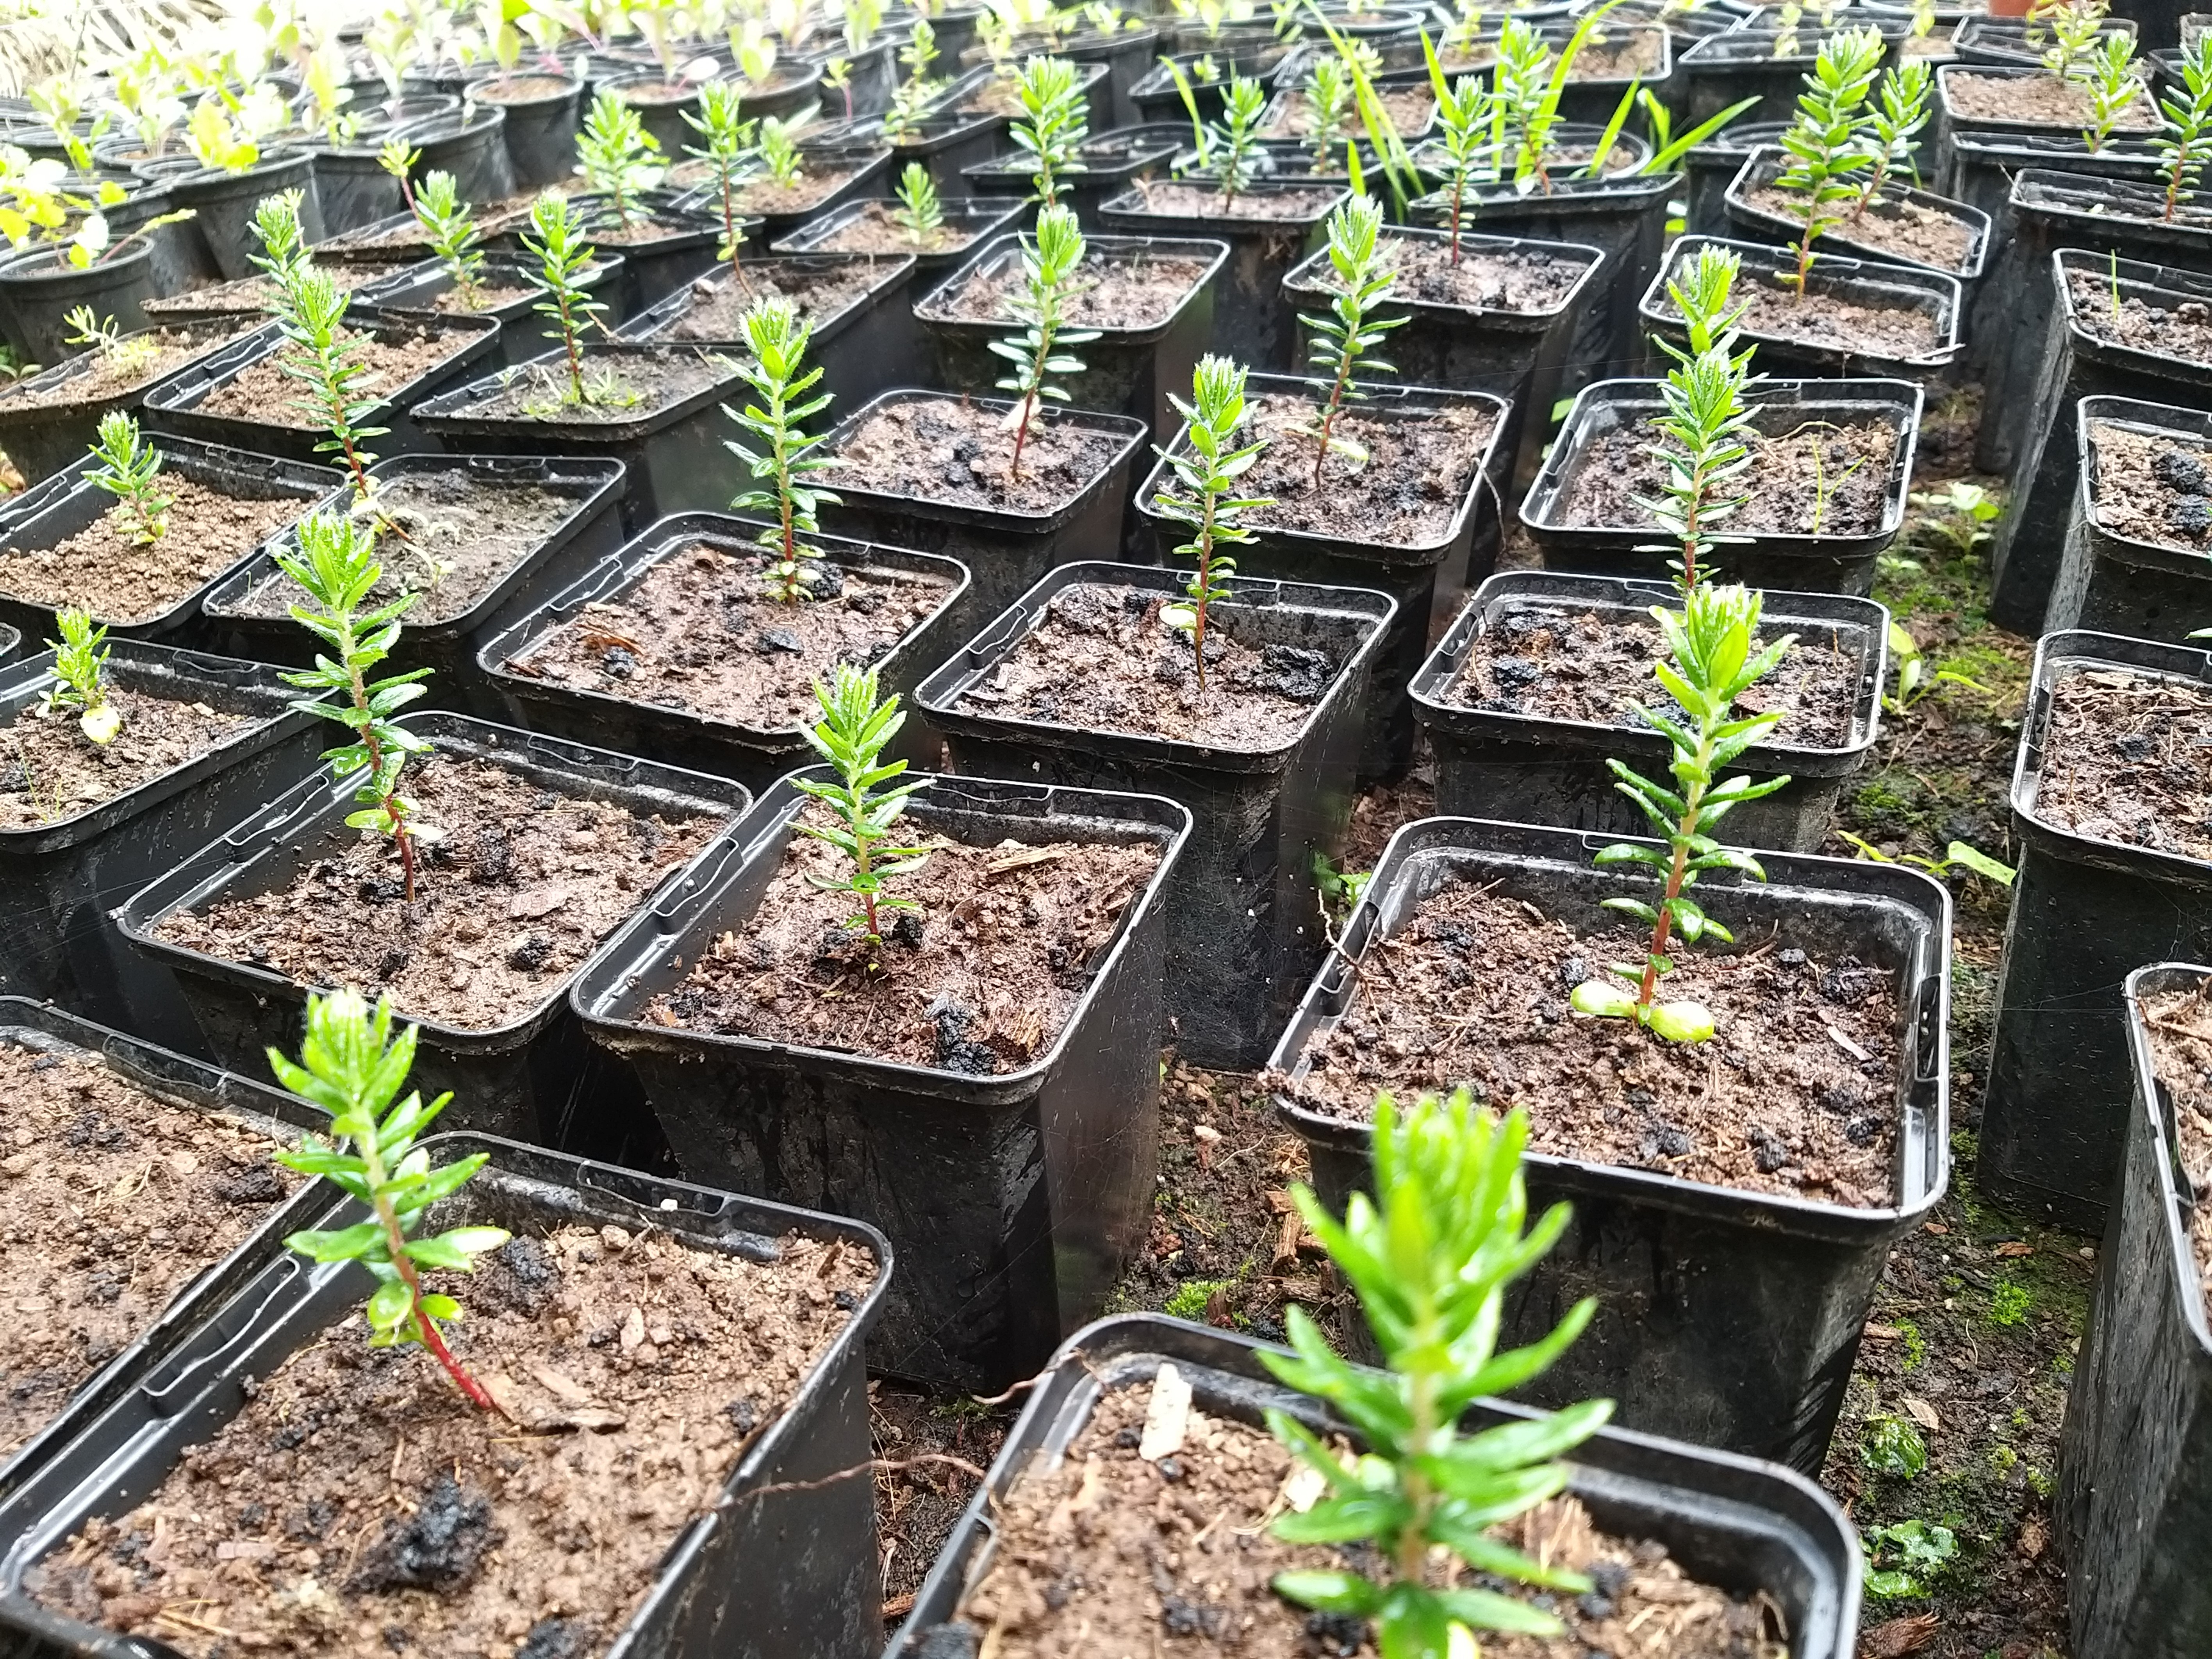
(130, 469)
(1204, 495)
(780, 156)
(910, 99)
(856, 725)
(1705, 424)
(2185, 125)
(1464, 143)
(1329, 92)
(728, 145)
(1232, 151)
(1050, 260)
(2113, 86)
(2074, 40)
(325, 356)
(103, 336)
(80, 677)
(452, 228)
(918, 213)
(1365, 278)
(785, 457)
(617, 157)
(1056, 120)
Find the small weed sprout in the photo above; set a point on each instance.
(778, 153)
(104, 338)
(284, 251)
(918, 213)
(1960, 516)
(1822, 143)
(1050, 260)
(2113, 87)
(1056, 123)
(1894, 123)
(81, 678)
(452, 232)
(563, 255)
(727, 147)
(911, 98)
(1328, 90)
(399, 160)
(337, 568)
(1463, 114)
(1894, 1447)
(1824, 487)
(353, 1067)
(1232, 151)
(1204, 495)
(130, 469)
(1705, 425)
(1365, 278)
(1916, 1550)
(1709, 658)
(320, 352)
(855, 727)
(2186, 127)
(617, 158)
(784, 460)
(1430, 1259)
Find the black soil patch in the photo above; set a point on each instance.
(393, 359)
(1902, 229)
(1406, 493)
(619, 389)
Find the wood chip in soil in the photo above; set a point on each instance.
(1176, 199)
(872, 230)
(981, 981)
(1901, 229)
(2155, 488)
(1795, 1096)
(2158, 320)
(2043, 99)
(1562, 663)
(256, 295)
(103, 569)
(1100, 659)
(1817, 468)
(2179, 1026)
(50, 771)
(1525, 279)
(952, 450)
(358, 1506)
(523, 887)
(1406, 493)
(641, 383)
(1409, 110)
(1114, 290)
(700, 635)
(1831, 322)
(816, 290)
(392, 358)
(2127, 758)
(116, 1200)
(817, 184)
(458, 536)
(1113, 1553)
(140, 362)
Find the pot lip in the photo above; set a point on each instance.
(225, 365)
(1133, 204)
(1280, 100)
(449, 412)
(935, 308)
(1767, 160)
(988, 219)
(2172, 1198)
(653, 547)
(380, 293)
(122, 262)
(1949, 291)
(2141, 274)
(1556, 32)
(1924, 1094)
(1156, 81)
(644, 328)
(941, 692)
(214, 183)
(71, 368)
(2054, 186)
(572, 85)
(1089, 72)
(1715, 50)
(1299, 279)
(1539, 589)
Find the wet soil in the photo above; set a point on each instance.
(141, 360)
(2166, 324)
(393, 359)
(981, 981)
(952, 450)
(1178, 199)
(104, 570)
(2043, 99)
(256, 294)
(521, 889)
(2180, 1030)
(817, 289)
(819, 181)
(1901, 229)
(700, 634)
(1562, 663)
(1112, 1553)
(2153, 489)
(1113, 291)
(1102, 660)
(1523, 280)
(116, 1200)
(2127, 759)
(1820, 468)
(1407, 493)
(1410, 110)
(620, 389)
(358, 1506)
(1897, 332)
(50, 771)
(872, 230)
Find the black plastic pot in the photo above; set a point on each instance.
(1956, 124)
(1745, 1526)
(654, 266)
(223, 205)
(526, 1077)
(867, 165)
(1764, 166)
(1518, 356)
(524, 332)
(1586, 98)
(1127, 371)
(1014, 1198)
(1244, 913)
(1155, 96)
(1979, 167)
(351, 186)
(1826, 563)
(1711, 166)
(540, 130)
(870, 75)
(174, 406)
(2131, 1476)
(1529, 770)
(948, 145)
(978, 218)
(663, 118)
(58, 880)
(1251, 323)
(2003, 42)
(672, 451)
(471, 143)
(755, 756)
(784, 1562)
(2110, 583)
(1725, 1317)
(1727, 68)
(1112, 163)
(43, 434)
(2085, 915)
(1409, 575)
(39, 289)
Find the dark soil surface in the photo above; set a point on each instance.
(104, 570)
(1524, 280)
(982, 985)
(819, 181)
(1819, 319)
(2153, 488)
(1404, 494)
(1111, 1551)
(2043, 99)
(1410, 110)
(256, 294)
(2125, 761)
(524, 885)
(1839, 473)
(1903, 230)
(2180, 1024)
(393, 359)
(700, 634)
(138, 361)
(1598, 60)
(817, 289)
(951, 449)
(2163, 323)
(1116, 291)
(414, 1524)
(116, 1201)
(621, 389)
(1177, 199)
(1565, 665)
(50, 771)
(872, 230)
(1102, 660)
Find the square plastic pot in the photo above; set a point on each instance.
(1727, 68)
(2109, 583)
(1764, 166)
(682, 247)
(223, 205)
(785, 1561)
(540, 132)
(1726, 1318)
(39, 289)
(1526, 769)
(1979, 168)
(2003, 42)
(1826, 563)
(1111, 162)
(469, 143)
(2085, 915)
(755, 755)
(1712, 167)
(1244, 913)
(526, 1077)
(980, 217)
(946, 144)
(1014, 1200)
(1742, 1525)
(524, 332)
(868, 164)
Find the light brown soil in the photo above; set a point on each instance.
(393, 359)
(1410, 109)
(1114, 291)
(143, 359)
(1474, 991)
(115, 1200)
(1786, 480)
(2043, 99)
(522, 888)
(359, 1506)
(2124, 761)
(817, 289)
(2155, 489)
(256, 294)
(1175, 198)
(1902, 229)
(101, 569)
(1525, 280)
(951, 449)
(2180, 1029)
(872, 230)
(1418, 471)
(1817, 319)
(981, 981)
(1598, 60)
(638, 385)
(50, 771)
(819, 181)
(2165, 323)
(522, 89)
(699, 633)
(642, 230)
(487, 298)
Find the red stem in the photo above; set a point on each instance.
(1328, 416)
(396, 1244)
(1666, 916)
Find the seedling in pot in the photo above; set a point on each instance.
(1050, 260)
(910, 99)
(617, 158)
(1708, 660)
(1057, 121)
(35, 211)
(81, 678)
(855, 727)
(776, 372)
(1822, 143)
(1328, 92)
(563, 256)
(1463, 116)
(1705, 427)
(2074, 43)
(728, 146)
(1527, 85)
(130, 469)
(1231, 152)
(283, 250)
(2113, 87)
(918, 213)
(1365, 278)
(353, 1067)
(452, 228)
(2186, 127)
(320, 352)
(778, 153)
(102, 338)
(1894, 123)
(1430, 1258)
(1204, 495)
(399, 159)
(58, 101)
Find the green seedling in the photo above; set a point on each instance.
(452, 229)
(780, 156)
(1050, 261)
(1961, 515)
(1204, 496)
(1914, 682)
(103, 337)
(1463, 118)
(2186, 127)
(1330, 94)
(918, 213)
(57, 102)
(1055, 122)
(321, 352)
(1894, 123)
(219, 142)
(2113, 87)
(1705, 426)
(1364, 279)
(36, 210)
(1958, 856)
(727, 147)
(785, 459)
(80, 684)
(1527, 84)
(1917, 1550)
(855, 727)
(1894, 1447)
(2074, 42)
(1232, 151)
(283, 254)
(130, 469)
(617, 158)
(563, 256)
(910, 101)
(399, 161)
(1823, 141)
